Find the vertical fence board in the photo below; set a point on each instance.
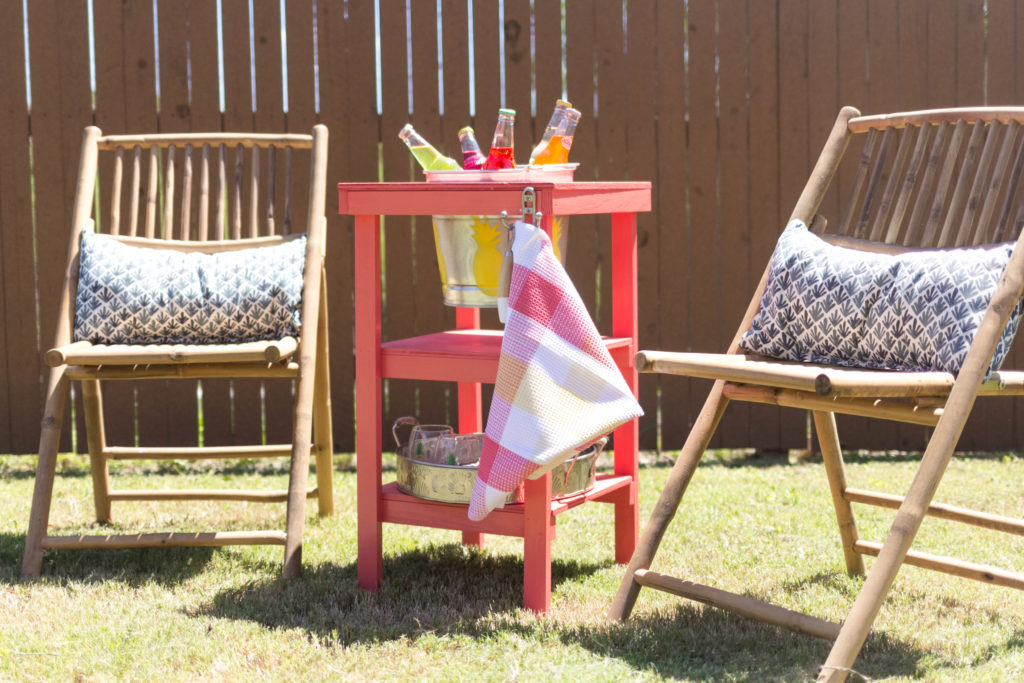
(20, 396)
(581, 259)
(611, 141)
(1001, 91)
(928, 41)
(61, 108)
(734, 158)
(669, 203)
(422, 289)
(795, 54)
(348, 106)
(641, 164)
(899, 36)
(764, 210)
(399, 314)
(247, 407)
(970, 52)
(547, 20)
(179, 396)
(486, 69)
(519, 74)
(702, 227)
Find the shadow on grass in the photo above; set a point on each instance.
(448, 588)
(692, 642)
(133, 566)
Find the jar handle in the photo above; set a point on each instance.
(402, 421)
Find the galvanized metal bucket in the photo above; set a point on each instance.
(470, 248)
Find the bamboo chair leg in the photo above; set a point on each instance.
(302, 434)
(828, 437)
(668, 502)
(96, 434)
(322, 430)
(49, 442)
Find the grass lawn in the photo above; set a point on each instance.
(449, 613)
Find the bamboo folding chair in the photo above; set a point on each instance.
(225, 206)
(934, 179)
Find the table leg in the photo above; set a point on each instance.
(369, 417)
(539, 527)
(470, 404)
(625, 324)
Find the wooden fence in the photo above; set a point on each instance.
(723, 104)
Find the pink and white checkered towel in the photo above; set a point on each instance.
(557, 389)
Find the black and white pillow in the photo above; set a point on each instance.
(136, 295)
(918, 310)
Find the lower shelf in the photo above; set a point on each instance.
(401, 508)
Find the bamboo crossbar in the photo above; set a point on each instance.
(247, 140)
(207, 246)
(861, 124)
(182, 371)
(732, 367)
(947, 565)
(740, 604)
(85, 353)
(168, 540)
(953, 513)
(207, 494)
(862, 407)
(197, 452)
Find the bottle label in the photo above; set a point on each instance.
(566, 141)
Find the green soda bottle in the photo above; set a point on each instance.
(425, 153)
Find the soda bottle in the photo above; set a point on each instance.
(556, 120)
(557, 149)
(472, 157)
(501, 155)
(425, 153)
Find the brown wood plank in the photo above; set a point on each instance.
(735, 227)
(180, 397)
(20, 369)
(1004, 23)
(519, 76)
(486, 70)
(611, 145)
(642, 164)
(970, 52)
(764, 177)
(547, 18)
(583, 252)
(932, 26)
(348, 106)
(669, 205)
(245, 422)
(423, 290)
(398, 308)
(61, 107)
(795, 149)
(290, 188)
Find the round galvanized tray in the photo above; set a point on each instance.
(454, 483)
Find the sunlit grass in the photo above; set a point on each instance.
(444, 612)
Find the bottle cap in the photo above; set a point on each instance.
(507, 112)
(466, 129)
(563, 103)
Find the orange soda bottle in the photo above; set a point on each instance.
(557, 149)
(556, 120)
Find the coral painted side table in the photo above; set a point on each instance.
(469, 356)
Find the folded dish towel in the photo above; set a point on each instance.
(557, 389)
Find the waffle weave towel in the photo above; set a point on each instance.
(557, 389)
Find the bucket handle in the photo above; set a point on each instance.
(402, 422)
(599, 445)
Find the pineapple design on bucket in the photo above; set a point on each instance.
(490, 239)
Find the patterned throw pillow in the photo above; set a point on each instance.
(919, 310)
(136, 295)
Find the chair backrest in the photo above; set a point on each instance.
(212, 191)
(936, 178)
